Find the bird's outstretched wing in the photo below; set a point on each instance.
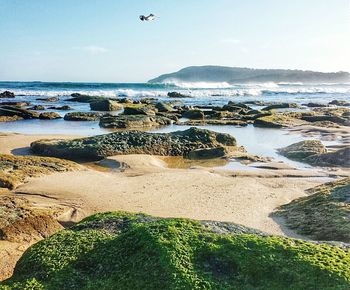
(147, 18)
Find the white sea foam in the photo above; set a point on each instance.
(200, 90)
(198, 85)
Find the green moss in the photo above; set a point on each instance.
(324, 215)
(135, 251)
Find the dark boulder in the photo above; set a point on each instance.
(177, 95)
(61, 108)
(207, 153)
(315, 105)
(51, 99)
(7, 94)
(339, 103)
(339, 158)
(140, 110)
(17, 104)
(281, 106)
(79, 98)
(106, 105)
(49, 116)
(82, 116)
(37, 108)
(303, 149)
(193, 114)
(163, 107)
(17, 111)
(133, 121)
(318, 118)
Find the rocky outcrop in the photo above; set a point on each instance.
(82, 116)
(49, 116)
(320, 118)
(322, 215)
(133, 121)
(76, 97)
(339, 103)
(194, 114)
(339, 158)
(7, 94)
(106, 105)
(207, 153)
(176, 95)
(281, 106)
(10, 118)
(303, 149)
(15, 170)
(277, 121)
(313, 152)
(12, 111)
(37, 108)
(315, 105)
(163, 107)
(179, 143)
(61, 108)
(17, 104)
(50, 100)
(139, 110)
(214, 122)
(22, 223)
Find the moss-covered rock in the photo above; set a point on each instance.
(82, 116)
(281, 106)
(106, 105)
(49, 116)
(134, 251)
(339, 157)
(140, 110)
(324, 215)
(15, 170)
(132, 122)
(179, 143)
(14, 111)
(277, 121)
(194, 114)
(303, 149)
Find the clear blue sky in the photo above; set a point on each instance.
(103, 40)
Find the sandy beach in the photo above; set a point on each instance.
(161, 186)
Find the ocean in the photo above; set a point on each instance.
(268, 140)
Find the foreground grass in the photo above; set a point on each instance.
(132, 251)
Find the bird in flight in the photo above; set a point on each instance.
(147, 18)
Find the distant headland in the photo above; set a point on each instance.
(248, 75)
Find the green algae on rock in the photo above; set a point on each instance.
(133, 121)
(313, 152)
(303, 149)
(278, 121)
(135, 251)
(179, 143)
(324, 215)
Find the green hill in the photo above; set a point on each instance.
(134, 251)
(249, 75)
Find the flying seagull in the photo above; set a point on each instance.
(147, 18)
